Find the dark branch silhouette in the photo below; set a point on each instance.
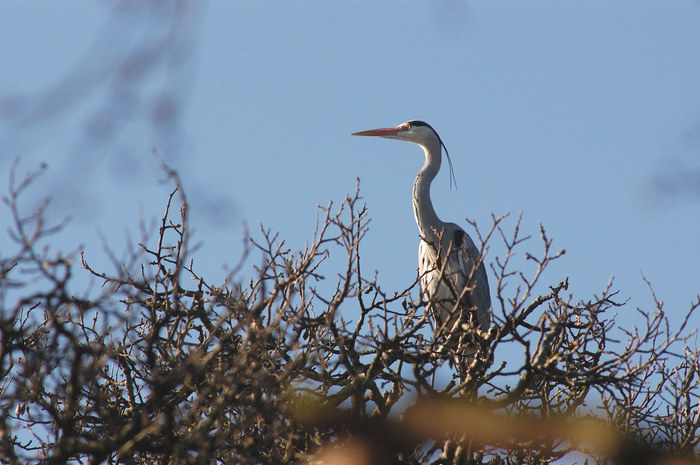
(162, 366)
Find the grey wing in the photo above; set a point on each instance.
(463, 255)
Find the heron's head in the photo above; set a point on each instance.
(418, 132)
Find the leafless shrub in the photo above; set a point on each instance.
(161, 366)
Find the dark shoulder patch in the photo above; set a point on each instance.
(458, 240)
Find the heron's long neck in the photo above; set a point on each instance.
(426, 218)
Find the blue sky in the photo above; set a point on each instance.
(583, 115)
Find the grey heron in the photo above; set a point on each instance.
(452, 275)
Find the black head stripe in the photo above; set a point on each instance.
(420, 123)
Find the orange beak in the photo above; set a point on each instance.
(379, 132)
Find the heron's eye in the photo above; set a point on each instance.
(408, 125)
